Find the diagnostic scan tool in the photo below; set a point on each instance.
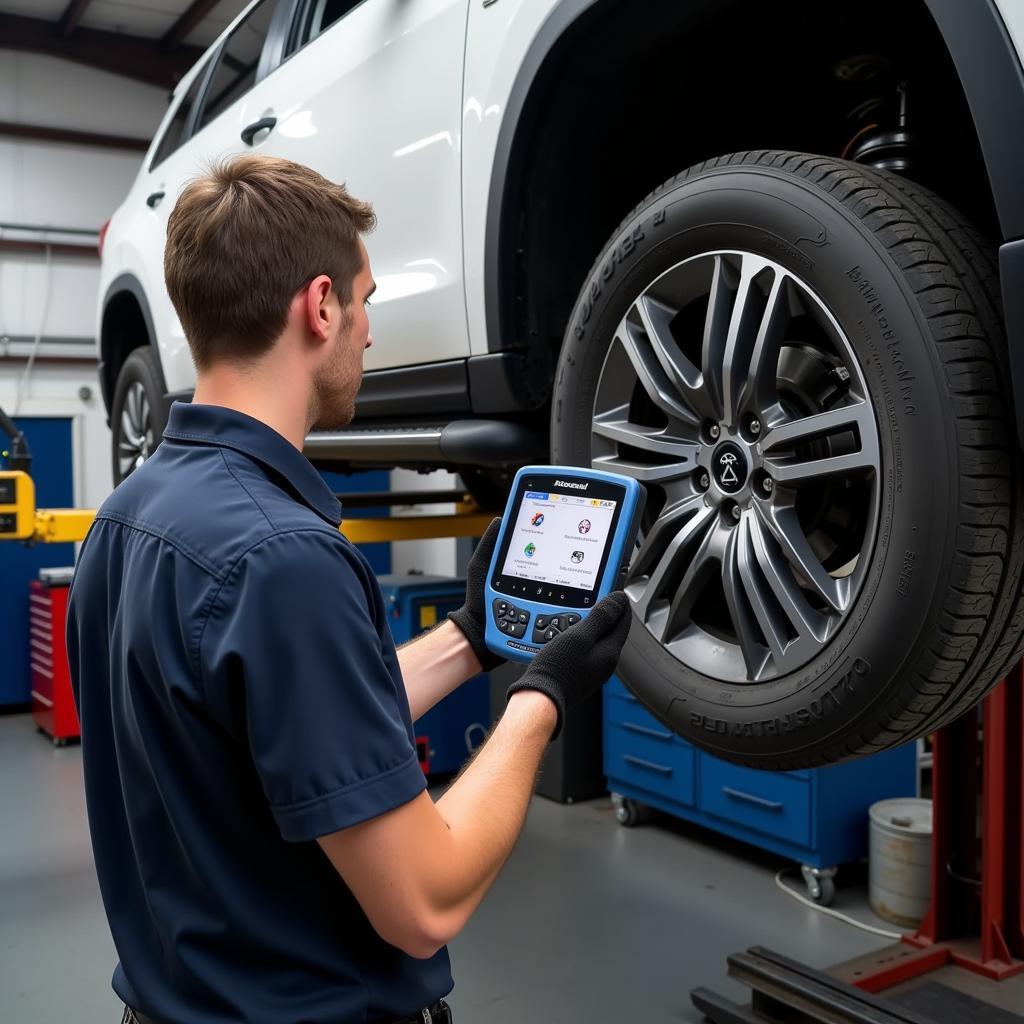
(566, 539)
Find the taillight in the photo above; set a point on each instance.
(102, 238)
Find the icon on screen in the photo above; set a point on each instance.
(577, 556)
(529, 549)
(538, 518)
(584, 526)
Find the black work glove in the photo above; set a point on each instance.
(579, 661)
(471, 618)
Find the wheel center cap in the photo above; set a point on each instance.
(729, 467)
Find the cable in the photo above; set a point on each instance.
(833, 913)
(37, 341)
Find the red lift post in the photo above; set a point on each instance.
(976, 918)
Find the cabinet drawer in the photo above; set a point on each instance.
(635, 718)
(776, 804)
(650, 762)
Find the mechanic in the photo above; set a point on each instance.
(265, 846)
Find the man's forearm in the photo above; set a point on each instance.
(435, 664)
(486, 806)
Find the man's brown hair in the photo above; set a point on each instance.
(244, 238)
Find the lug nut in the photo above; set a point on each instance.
(736, 512)
(714, 431)
(705, 481)
(767, 485)
(755, 427)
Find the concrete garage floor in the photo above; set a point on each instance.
(589, 921)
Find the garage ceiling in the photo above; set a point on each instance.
(154, 41)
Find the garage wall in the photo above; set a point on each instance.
(60, 186)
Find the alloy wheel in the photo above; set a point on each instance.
(735, 396)
(135, 440)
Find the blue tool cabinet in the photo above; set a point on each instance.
(449, 732)
(818, 817)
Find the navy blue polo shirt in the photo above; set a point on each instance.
(239, 696)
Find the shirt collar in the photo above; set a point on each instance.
(228, 428)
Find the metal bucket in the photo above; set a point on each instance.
(900, 862)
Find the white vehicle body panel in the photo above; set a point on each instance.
(374, 103)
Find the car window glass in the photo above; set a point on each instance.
(238, 62)
(323, 14)
(173, 133)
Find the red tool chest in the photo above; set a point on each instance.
(53, 706)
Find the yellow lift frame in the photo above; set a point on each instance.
(21, 520)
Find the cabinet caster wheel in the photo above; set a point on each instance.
(820, 883)
(627, 811)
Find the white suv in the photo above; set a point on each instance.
(797, 344)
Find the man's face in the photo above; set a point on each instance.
(338, 379)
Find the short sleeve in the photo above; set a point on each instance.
(292, 638)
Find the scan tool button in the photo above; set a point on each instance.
(571, 620)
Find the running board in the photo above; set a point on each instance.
(498, 444)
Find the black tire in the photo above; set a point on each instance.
(139, 393)
(938, 616)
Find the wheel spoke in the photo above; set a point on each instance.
(716, 329)
(784, 525)
(757, 390)
(701, 569)
(755, 653)
(855, 420)
(677, 457)
(799, 617)
(757, 594)
(685, 378)
(651, 373)
(135, 409)
(657, 562)
(128, 432)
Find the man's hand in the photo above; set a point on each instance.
(578, 661)
(471, 618)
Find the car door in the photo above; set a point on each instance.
(195, 135)
(369, 95)
(141, 227)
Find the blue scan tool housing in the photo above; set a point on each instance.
(526, 611)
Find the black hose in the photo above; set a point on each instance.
(19, 457)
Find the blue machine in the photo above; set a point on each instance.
(565, 542)
(49, 439)
(448, 733)
(818, 817)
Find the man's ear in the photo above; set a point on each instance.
(318, 315)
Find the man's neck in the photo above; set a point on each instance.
(258, 392)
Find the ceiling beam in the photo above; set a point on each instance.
(42, 133)
(120, 54)
(72, 15)
(195, 13)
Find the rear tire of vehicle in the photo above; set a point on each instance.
(138, 413)
(938, 617)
